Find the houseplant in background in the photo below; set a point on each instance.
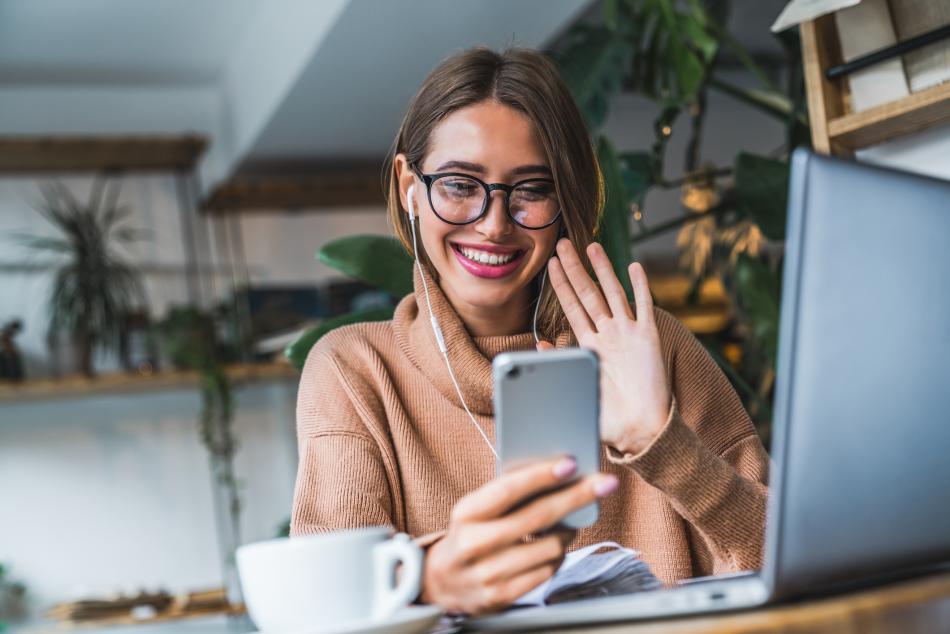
(94, 288)
(191, 341)
(733, 223)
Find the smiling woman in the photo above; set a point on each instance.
(492, 163)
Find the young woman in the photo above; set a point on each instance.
(496, 158)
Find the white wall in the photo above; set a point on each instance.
(926, 152)
(114, 492)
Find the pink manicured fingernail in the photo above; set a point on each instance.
(606, 485)
(565, 467)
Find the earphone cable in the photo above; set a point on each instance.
(437, 330)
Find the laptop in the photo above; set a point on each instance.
(860, 474)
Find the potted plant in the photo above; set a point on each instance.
(12, 599)
(94, 288)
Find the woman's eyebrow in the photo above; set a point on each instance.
(480, 169)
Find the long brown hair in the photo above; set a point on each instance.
(527, 81)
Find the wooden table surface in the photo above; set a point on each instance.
(907, 607)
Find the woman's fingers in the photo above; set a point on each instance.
(544, 345)
(641, 292)
(518, 558)
(549, 509)
(498, 496)
(573, 309)
(611, 286)
(587, 292)
(505, 593)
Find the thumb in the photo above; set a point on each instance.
(544, 345)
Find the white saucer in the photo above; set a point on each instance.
(414, 619)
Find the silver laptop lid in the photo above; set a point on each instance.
(861, 485)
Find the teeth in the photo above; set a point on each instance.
(484, 257)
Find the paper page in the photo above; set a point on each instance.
(584, 574)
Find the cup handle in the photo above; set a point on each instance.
(387, 598)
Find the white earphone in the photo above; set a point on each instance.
(436, 329)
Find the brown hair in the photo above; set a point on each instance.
(527, 81)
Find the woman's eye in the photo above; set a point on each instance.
(535, 192)
(459, 188)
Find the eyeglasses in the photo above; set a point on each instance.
(461, 199)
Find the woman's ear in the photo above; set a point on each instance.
(405, 178)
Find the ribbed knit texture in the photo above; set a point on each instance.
(384, 440)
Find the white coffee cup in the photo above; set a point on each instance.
(328, 581)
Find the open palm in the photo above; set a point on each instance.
(634, 391)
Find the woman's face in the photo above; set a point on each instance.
(486, 265)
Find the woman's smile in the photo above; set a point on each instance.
(488, 260)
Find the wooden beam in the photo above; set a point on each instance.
(820, 48)
(40, 154)
(315, 191)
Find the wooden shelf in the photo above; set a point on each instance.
(298, 185)
(907, 115)
(126, 383)
(32, 154)
(837, 130)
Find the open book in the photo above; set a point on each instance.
(598, 570)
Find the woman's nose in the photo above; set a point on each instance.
(495, 223)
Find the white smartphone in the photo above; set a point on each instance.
(546, 404)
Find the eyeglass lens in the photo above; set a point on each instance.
(460, 199)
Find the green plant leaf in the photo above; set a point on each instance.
(593, 66)
(636, 170)
(698, 37)
(615, 224)
(730, 42)
(762, 190)
(611, 12)
(377, 260)
(686, 48)
(297, 352)
(759, 292)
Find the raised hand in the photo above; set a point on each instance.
(635, 395)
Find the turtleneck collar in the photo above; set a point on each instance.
(470, 357)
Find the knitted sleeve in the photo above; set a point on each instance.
(343, 479)
(707, 459)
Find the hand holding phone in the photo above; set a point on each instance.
(483, 563)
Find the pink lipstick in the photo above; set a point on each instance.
(484, 269)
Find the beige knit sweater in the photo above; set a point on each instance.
(383, 440)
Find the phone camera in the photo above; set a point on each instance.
(513, 373)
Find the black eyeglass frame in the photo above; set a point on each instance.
(428, 179)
